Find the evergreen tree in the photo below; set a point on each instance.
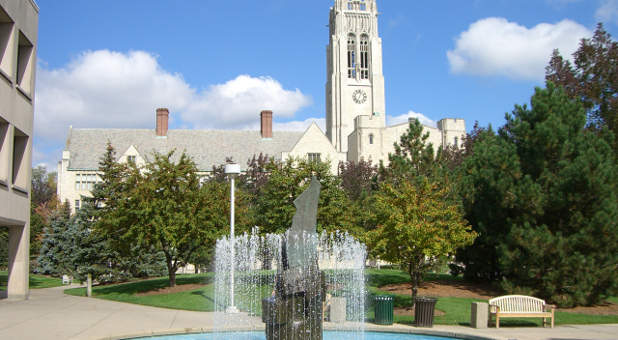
(592, 78)
(543, 195)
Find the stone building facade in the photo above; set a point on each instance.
(18, 43)
(355, 118)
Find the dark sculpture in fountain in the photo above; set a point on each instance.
(295, 310)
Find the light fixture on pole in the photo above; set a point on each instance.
(232, 171)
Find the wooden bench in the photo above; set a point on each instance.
(520, 306)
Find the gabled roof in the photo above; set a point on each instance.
(206, 147)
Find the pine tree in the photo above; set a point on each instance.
(592, 78)
(542, 195)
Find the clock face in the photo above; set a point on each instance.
(359, 96)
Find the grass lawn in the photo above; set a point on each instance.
(457, 310)
(36, 281)
(199, 299)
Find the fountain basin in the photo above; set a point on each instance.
(327, 336)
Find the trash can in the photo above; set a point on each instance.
(384, 309)
(424, 308)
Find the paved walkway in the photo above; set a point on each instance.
(50, 314)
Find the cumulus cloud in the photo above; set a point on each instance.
(394, 120)
(495, 46)
(607, 11)
(106, 89)
(238, 102)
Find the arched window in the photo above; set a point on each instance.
(364, 57)
(371, 138)
(351, 56)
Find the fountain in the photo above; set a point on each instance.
(295, 310)
(292, 280)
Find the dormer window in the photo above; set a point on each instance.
(131, 159)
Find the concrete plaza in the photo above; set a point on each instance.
(50, 314)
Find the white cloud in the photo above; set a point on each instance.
(238, 102)
(106, 89)
(495, 46)
(394, 120)
(607, 12)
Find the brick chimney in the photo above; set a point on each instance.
(162, 119)
(267, 123)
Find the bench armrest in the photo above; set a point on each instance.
(550, 308)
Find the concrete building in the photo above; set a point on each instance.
(18, 40)
(355, 118)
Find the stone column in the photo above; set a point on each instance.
(479, 314)
(337, 309)
(19, 257)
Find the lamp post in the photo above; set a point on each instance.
(232, 171)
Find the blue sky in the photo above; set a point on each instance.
(217, 64)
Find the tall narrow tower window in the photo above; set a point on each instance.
(364, 57)
(351, 56)
(371, 138)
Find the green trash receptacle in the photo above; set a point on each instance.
(424, 309)
(384, 309)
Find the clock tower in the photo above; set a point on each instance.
(355, 84)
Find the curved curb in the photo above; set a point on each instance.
(395, 328)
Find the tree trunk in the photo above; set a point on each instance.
(416, 276)
(412, 272)
(171, 268)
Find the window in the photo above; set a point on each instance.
(85, 181)
(20, 159)
(456, 142)
(364, 57)
(77, 204)
(351, 56)
(362, 7)
(371, 138)
(313, 157)
(131, 159)
(4, 152)
(6, 43)
(24, 64)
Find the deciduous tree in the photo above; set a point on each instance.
(418, 216)
(287, 181)
(163, 206)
